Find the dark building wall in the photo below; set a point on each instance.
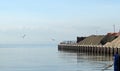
(92, 40)
(80, 39)
(108, 38)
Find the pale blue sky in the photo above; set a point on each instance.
(43, 20)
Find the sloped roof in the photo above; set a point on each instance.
(92, 40)
(114, 43)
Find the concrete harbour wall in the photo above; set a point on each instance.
(95, 49)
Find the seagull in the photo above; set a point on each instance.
(53, 39)
(24, 36)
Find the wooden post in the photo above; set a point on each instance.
(118, 50)
(112, 51)
(109, 51)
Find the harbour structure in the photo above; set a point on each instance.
(96, 44)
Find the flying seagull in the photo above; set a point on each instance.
(53, 39)
(24, 36)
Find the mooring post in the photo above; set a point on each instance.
(113, 51)
(109, 51)
(81, 48)
(98, 49)
(118, 50)
(102, 50)
(105, 50)
(92, 49)
(87, 49)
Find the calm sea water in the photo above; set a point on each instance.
(48, 58)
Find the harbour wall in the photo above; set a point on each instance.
(95, 49)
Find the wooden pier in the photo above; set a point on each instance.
(95, 49)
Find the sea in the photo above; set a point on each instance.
(17, 57)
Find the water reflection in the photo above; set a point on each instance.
(87, 61)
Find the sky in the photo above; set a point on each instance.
(44, 20)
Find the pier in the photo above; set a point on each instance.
(107, 44)
(94, 49)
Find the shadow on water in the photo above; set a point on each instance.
(95, 62)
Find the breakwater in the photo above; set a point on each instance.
(94, 49)
(107, 44)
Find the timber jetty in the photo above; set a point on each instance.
(97, 44)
